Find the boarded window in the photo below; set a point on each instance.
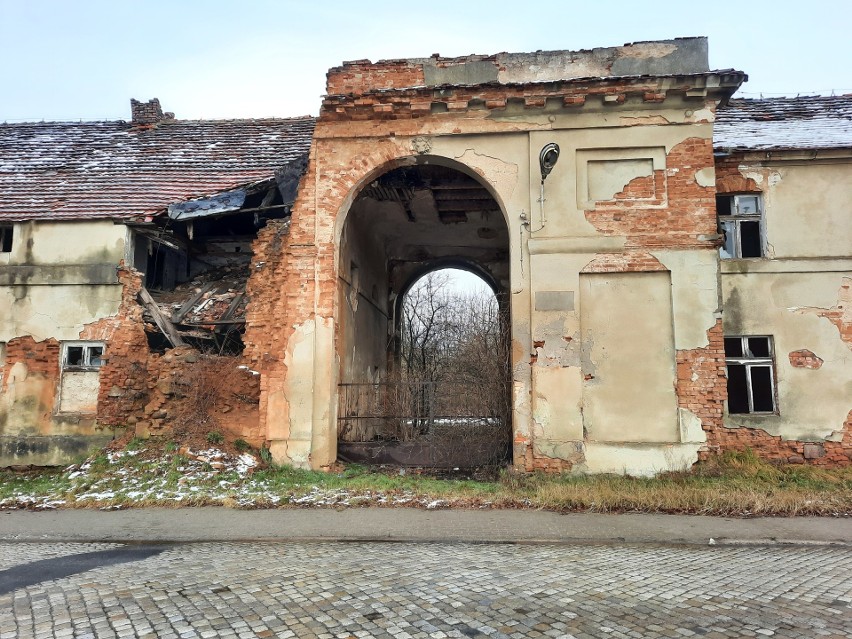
(751, 374)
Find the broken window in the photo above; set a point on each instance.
(6, 238)
(751, 374)
(741, 225)
(80, 379)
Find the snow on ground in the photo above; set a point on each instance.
(127, 478)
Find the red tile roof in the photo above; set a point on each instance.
(62, 170)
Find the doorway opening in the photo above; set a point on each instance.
(424, 332)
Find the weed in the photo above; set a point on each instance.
(265, 455)
(135, 444)
(215, 437)
(241, 445)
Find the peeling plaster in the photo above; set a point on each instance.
(643, 120)
(289, 412)
(699, 116)
(690, 426)
(839, 315)
(695, 294)
(706, 177)
(637, 460)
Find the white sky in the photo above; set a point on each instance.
(85, 59)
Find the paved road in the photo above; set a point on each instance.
(411, 524)
(213, 572)
(436, 590)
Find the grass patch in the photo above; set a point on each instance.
(734, 484)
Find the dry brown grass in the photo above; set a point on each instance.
(736, 484)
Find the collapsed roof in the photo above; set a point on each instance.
(120, 170)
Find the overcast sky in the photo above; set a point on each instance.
(85, 59)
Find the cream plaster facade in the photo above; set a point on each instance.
(58, 279)
(799, 292)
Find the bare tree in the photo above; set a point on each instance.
(454, 355)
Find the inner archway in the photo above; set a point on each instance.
(416, 390)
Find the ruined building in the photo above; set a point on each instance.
(672, 264)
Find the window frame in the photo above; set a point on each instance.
(750, 361)
(736, 219)
(87, 358)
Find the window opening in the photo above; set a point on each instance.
(78, 356)
(751, 377)
(6, 238)
(741, 224)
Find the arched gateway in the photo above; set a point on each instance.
(423, 410)
(606, 262)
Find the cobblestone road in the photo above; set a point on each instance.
(424, 590)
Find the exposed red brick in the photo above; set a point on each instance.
(40, 358)
(730, 180)
(361, 76)
(667, 210)
(805, 359)
(624, 262)
(701, 383)
(774, 448)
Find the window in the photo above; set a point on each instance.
(741, 224)
(6, 238)
(751, 377)
(80, 380)
(81, 356)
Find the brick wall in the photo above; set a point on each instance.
(40, 358)
(667, 210)
(146, 113)
(701, 383)
(624, 262)
(123, 377)
(361, 76)
(766, 446)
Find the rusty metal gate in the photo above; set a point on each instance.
(431, 424)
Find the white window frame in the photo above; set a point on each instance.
(730, 224)
(90, 362)
(751, 361)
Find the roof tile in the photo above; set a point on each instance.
(81, 170)
(816, 122)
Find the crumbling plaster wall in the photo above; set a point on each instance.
(672, 229)
(58, 283)
(364, 306)
(800, 295)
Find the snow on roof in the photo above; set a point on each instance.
(113, 170)
(816, 122)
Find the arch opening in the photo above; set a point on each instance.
(423, 323)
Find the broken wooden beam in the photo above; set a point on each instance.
(177, 316)
(163, 323)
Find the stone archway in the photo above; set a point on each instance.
(405, 222)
